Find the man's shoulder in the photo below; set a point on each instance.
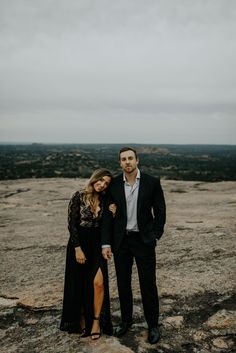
(117, 178)
(116, 181)
(148, 177)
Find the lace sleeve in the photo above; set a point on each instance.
(74, 219)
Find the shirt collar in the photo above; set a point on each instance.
(137, 176)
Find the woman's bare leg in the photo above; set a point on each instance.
(98, 301)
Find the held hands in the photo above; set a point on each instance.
(79, 255)
(112, 209)
(106, 252)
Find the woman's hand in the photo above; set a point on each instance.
(79, 255)
(113, 208)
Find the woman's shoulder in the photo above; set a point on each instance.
(77, 195)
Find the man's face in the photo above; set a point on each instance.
(128, 161)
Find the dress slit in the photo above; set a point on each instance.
(79, 280)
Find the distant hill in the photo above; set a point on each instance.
(176, 162)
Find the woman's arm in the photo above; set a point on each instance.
(74, 219)
(73, 226)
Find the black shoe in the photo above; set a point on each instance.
(122, 328)
(153, 335)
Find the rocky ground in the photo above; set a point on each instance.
(195, 271)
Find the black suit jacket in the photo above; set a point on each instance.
(151, 211)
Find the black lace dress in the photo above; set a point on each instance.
(78, 298)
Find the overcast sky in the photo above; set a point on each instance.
(150, 71)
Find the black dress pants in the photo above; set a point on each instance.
(132, 247)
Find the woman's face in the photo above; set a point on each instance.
(102, 184)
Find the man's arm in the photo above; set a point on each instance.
(159, 209)
(106, 229)
(106, 252)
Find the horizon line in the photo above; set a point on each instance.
(115, 143)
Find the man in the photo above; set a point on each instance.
(138, 221)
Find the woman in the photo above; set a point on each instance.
(86, 304)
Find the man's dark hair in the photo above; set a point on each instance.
(124, 149)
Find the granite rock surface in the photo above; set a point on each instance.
(196, 269)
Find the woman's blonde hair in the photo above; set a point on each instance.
(89, 192)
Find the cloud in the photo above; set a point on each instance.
(158, 57)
